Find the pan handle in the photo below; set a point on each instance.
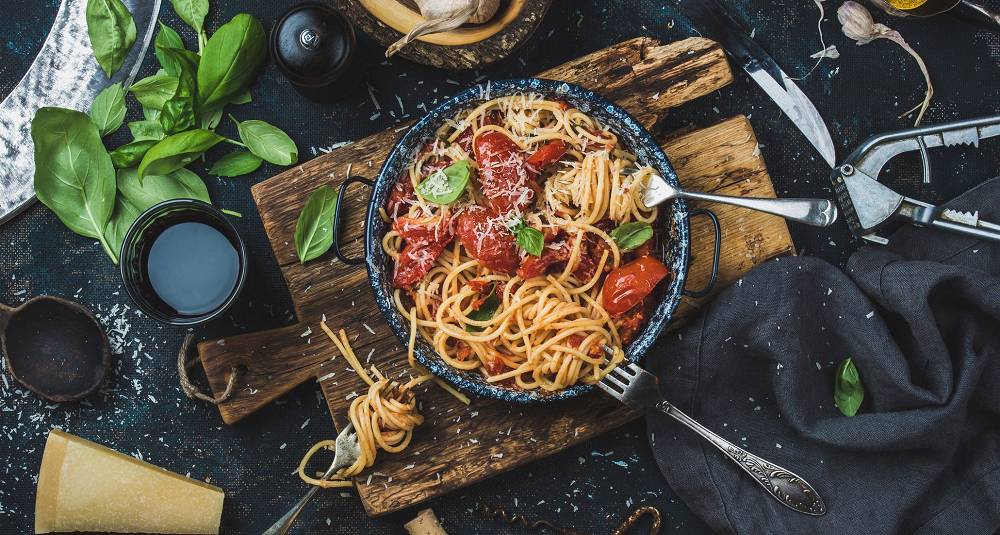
(718, 250)
(336, 220)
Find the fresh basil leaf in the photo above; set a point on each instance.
(124, 214)
(848, 392)
(177, 115)
(143, 130)
(154, 189)
(108, 109)
(112, 33)
(74, 176)
(530, 239)
(485, 311)
(632, 235)
(314, 228)
(446, 185)
(231, 59)
(211, 120)
(236, 163)
(168, 38)
(153, 91)
(192, 12)
(267, 141)
(176, 151)
(132, 153)
(151, 114)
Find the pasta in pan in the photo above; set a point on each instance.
(521, 245)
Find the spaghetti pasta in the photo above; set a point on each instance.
(512, 278)
(384, 418)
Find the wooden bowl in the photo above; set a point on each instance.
(403, 15)
(468, 47)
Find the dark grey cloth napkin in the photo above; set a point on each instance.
(920, 318)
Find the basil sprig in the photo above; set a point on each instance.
(632, 235)
(445, 186)
(314, 228)
(112, 33)
(75, 174)
(108, 109)
(528, 238)
(848, 392)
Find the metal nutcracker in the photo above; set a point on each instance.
(868, 205)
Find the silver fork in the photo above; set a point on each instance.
(639, 389)
(348, 451)
(815, 212)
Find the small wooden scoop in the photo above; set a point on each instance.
(54, 347)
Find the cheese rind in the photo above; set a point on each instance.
(83, 486)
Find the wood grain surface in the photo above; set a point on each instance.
(467, 56)
(459, 445)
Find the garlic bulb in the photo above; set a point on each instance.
(857, 24)
(444, 15)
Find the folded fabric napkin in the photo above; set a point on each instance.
(921, 320)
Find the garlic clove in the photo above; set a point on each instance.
(856, 21)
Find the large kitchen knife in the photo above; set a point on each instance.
(64, 74)
(712, 19)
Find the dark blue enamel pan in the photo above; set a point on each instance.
(674, 234)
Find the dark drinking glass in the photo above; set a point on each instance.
(183, 262)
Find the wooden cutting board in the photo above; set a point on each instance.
(459, 445)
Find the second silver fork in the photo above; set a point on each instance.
(639, 389)
(348, 451)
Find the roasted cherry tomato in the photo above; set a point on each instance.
(502, 174)
(414, 262)
(425, 241)
(401, 193)
(546, 154)
(628, 285)
(487, 240)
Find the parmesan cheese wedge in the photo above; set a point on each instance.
(83, 486)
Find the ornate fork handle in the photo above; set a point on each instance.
(789, 489)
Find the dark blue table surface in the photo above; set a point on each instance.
(141, 410)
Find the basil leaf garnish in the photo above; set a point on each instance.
(112, 33)
(632, 235)
(267, 141)
(178, 112)
(529, 238)
(153, 91)
(131, 154)
(314, 229)
(74, 176)
(108, 109)
(124, 214)
(485, 311)
(229, 62)
(168, 38)
(445, 186)
(848, 392)
(176, 151)
(236, 163)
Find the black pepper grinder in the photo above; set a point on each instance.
(314, 46)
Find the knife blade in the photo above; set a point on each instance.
(63, 74)
(711, 17)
